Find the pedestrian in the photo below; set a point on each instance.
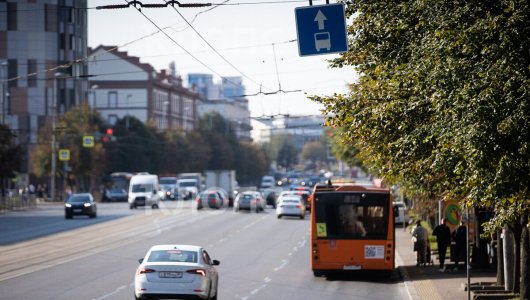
(459, 236)
(443, 239)
(420, 239)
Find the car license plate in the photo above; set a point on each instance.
(170, 274)
(78, 210)
(351, 267)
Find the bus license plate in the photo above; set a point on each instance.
(351, 267)
(170, 274)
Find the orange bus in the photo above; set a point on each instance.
(352, 228)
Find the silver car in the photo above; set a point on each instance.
(250, 200)
(290, 205)
(176, 271)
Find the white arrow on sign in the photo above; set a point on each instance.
(320, 18)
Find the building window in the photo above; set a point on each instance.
(61, 41)
(32, 69)
(12, 71)
(11, 16)
(50, 18)
(113, 99)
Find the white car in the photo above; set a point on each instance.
(290, 205)
(176, 271)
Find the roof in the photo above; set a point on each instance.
(175, 247)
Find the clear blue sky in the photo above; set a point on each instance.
(242, 31)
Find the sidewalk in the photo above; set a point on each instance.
(427, 282)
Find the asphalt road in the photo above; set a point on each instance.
(261, 257)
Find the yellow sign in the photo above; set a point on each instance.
(88, 141)
(322, 230)
(64, 154)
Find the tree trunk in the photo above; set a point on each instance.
(525, 263)
(517, 230)
(508, 256)
(500, 260)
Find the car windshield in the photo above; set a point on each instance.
(187, 183)
(168, 181)
(173, 255)
(79, 199)
(139, 188)
(118, 191)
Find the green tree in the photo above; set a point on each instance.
(287, 154)
(136, 148)
(314, 151)
(441, 104)
(85, 163)
(251, 163)
(10, 156)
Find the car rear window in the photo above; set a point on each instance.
(172, 255)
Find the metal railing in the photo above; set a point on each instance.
(17, 201)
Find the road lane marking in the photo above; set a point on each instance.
(111, 293)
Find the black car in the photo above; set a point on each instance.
(114, 195)
(271, 198)
(80, 204)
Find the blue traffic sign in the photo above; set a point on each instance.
(321, 29)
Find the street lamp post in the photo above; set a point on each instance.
(93, 89)
(127, 116)
(4, 91)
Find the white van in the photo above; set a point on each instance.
(188, 188)
(267, 182)
(143, 191)
(401, 215)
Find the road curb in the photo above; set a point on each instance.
(409, 286)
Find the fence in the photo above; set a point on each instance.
(17, 201)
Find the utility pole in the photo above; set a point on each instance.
(53, 143)
(4, 91)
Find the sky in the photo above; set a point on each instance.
(251, 38)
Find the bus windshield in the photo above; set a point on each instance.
(344, 215)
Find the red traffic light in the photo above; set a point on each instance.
(109, 131)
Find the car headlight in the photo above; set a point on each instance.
(87, 204)
(68, 205)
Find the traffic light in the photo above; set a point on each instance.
(108, 135)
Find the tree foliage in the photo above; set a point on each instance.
(71, 127)
(442, 102)
(10, 153)
(314, 151)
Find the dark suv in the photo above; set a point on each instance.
(80, 204)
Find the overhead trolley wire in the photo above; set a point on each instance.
(215, 50)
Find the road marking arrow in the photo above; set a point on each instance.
(320, 18)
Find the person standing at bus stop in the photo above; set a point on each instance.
(443, 239)
(459, 236)
(420, 238)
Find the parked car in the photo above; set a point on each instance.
(250, 200)
(80, 204)
(176, 272)
(290, 205)
(211, 199)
